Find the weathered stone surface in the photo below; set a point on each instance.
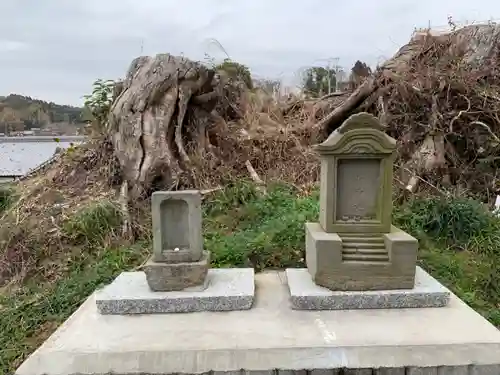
(354, 246)
(326, 252)
(422, 371)
(225, 290)
(177, 231)
(267, 337)
(453, 370)
(357, 193)
(306, 295)
(164, 277)
(356, 177)
(360, 371)
(390, 371)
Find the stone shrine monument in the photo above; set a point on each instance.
(177, 277)
(178, 260)
(354, 247)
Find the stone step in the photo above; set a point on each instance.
(365, 257)
(361, 234)
(364, 251)
(356, 239)
(359, 245)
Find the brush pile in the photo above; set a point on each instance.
(440, 98)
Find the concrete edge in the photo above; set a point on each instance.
(257, 360)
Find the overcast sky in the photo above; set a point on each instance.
(55, 49)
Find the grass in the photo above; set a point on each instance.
(243, 228)
(91, 225)
(262, 232)
(7, 196)
(31, 314)
(459, 246)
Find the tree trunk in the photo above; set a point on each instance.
(159, 118)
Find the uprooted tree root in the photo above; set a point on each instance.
(172, 115)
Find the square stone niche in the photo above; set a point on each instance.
(354, 247)
(177, 231)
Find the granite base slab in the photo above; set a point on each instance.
(226, 290)
(306, 295)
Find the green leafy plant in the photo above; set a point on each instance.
(99, 102)
(236, 71)
(7, 197)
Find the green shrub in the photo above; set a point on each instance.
(236, 71)
(445, 225)
(455, 221)
(267, 231)
(233, 195)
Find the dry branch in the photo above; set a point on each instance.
(335, 118)
(255, 177)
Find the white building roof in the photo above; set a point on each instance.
(19, 155)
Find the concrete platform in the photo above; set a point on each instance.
(306, 295)
(271, 336)
(225, 289)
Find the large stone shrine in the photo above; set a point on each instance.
(177, 277)
(355, 257)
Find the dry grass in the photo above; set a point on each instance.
(38, 230)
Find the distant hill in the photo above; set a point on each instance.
(18, 113)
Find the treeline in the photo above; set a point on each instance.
(19, 113)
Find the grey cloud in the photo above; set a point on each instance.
(55, 49)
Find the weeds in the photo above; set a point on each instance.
(265, 232)
(454, 221)
(459, 246)
(92, 224)
(7, 197)
(33, 312)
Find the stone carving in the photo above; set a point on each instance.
(354, 246)
(178, 260)
(357, 200)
